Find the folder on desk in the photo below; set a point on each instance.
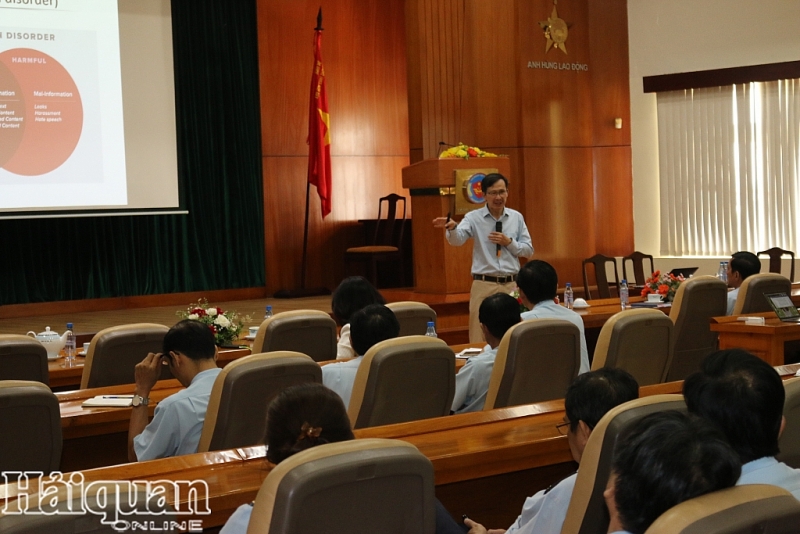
(110, 401)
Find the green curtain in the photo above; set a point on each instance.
(220, 244)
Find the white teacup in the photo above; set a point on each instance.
(253, 331)
(653, 297)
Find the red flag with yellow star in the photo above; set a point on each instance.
(319, 135)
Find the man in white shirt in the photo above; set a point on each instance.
(742, 265)
(495, 253)
(538, 284)
(588, 399)
(191, 354)
(497, 314)
(368, 326)
(743, 395)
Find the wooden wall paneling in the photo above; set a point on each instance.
(613, 200)
(559, 207)
(609, 72)
(414, 79)
(555, 107)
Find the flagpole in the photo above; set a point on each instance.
(302, 291)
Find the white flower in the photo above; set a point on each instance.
(194, 316)
(211, 312)
(222, 321)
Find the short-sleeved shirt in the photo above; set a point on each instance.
(340, 378)
(478, 224)
(472, 382)
(343, 348)
(733, 294)
(545, 511)
(547, 309)
(178, 421)
(769, 470)
(239, 520)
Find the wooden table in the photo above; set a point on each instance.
(766, 341)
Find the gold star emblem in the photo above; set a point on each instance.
(555, 31)
(326, 118)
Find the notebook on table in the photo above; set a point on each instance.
(784, 307)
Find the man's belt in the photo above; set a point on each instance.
(495, 279)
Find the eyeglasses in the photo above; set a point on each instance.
(563, 428)
(497, 193)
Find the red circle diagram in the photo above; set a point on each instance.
(41, 114)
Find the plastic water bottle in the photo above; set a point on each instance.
(69, 348)
(268, 313)
(623, 294)
(722, 274)
(431, 332)
(569, 296)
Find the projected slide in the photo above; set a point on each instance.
(61, 115)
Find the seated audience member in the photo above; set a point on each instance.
(497, 314)
(353, 294)
(538, 284)
(744, 397)
(660, 461)
(301, 417)
(742, 265)
(191, 354)
(588, 399)
(368, 326)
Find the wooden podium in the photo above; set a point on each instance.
(438, 266)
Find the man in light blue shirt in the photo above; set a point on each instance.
(191, 354)
(368, 326)
(497, 314)
(743, 395)
(742, 265)
(500, 238)
(538, 284)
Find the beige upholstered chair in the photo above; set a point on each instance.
(737, 510)
(403, 379)
(309, 332)
(362, 486)
(67, 510)
(696, 302)
(114, 352)
(30, 427)
(790, 439)
(23, 358)
(637, 341)
(536, 361)
(587, 512)
(413, 317)
(237, 410)
(751, 293)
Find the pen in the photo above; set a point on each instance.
(117, 396)
(447, 221)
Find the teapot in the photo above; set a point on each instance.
(52, 342)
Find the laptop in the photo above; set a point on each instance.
(783, 306)
(686, 272)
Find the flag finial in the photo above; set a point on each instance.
(319, 20)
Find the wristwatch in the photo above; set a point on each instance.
(138, 400)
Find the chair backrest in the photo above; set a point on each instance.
(775, 254)
(637, 341)
(587, 512)
(30, 427)
(309, 332)
(737, 510)
(599, 262)
(361, 486)
(403, 379)
(23, 358)
(413, 317)
(637, 260)
(696, 302)
(389, 229)
(536, 361)
(790, 439)
(114, 353)
(751, 293)
(237, 409)
(75, 508)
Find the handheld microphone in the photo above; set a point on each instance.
(498, 227)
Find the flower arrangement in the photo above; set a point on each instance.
(516, 295)
(463, 151)
(226, 325)
(665, 285)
